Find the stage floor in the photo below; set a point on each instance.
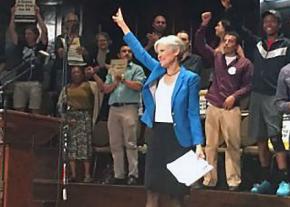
(102, 195)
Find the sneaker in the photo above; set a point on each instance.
(263, 188)
(283, 189)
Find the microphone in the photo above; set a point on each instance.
(44, 56)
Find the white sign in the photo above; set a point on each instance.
(25, 11)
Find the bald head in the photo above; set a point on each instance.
(159, 23)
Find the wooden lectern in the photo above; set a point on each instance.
(22, 133)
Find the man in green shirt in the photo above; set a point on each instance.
(123, 121)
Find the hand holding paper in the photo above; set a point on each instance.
(189, 168)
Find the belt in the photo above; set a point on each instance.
(122, 104)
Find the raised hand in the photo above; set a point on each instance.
(226, 4)
(206, 17)
(119, 20)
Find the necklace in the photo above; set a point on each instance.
(173, 73)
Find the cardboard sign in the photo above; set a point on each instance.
(118, 67)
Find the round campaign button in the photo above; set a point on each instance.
(232, 70)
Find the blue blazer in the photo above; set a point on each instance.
(184, 101)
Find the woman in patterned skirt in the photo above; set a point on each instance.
(79, 98)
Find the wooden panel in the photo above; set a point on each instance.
(18, 177)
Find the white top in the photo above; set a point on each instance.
(163, 96)
(230, 59)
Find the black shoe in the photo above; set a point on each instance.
(72, 179)
(118, 181)
(132, 180)
(207, 187)
(234, 188)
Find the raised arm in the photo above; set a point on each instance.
(140, 53)
(200, 44)
(233, 15)
(43, 28)
(12, 28)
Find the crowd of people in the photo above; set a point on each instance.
(166, 84)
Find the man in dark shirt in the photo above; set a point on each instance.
(231, 81)
(190, 61)
(158, 30)
(28, 88)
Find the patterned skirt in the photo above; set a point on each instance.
(80, 135)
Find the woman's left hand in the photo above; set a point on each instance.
(199, 152)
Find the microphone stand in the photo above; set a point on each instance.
(64, 131)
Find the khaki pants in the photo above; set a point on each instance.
(223, 125)
(122, 127)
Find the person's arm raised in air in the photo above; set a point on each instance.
(200, 44)
(139, 52)
(42, 25)
(233, 14)
(12, 29)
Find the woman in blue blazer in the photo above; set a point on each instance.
(171, 98)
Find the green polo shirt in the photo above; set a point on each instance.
(123, 94)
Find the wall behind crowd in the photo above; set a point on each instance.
(96, 16)
(180, 15)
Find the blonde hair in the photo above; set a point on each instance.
(172, 41)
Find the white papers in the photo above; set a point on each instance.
(189, 168)
(73, 56)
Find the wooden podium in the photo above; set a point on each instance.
(22, 133)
